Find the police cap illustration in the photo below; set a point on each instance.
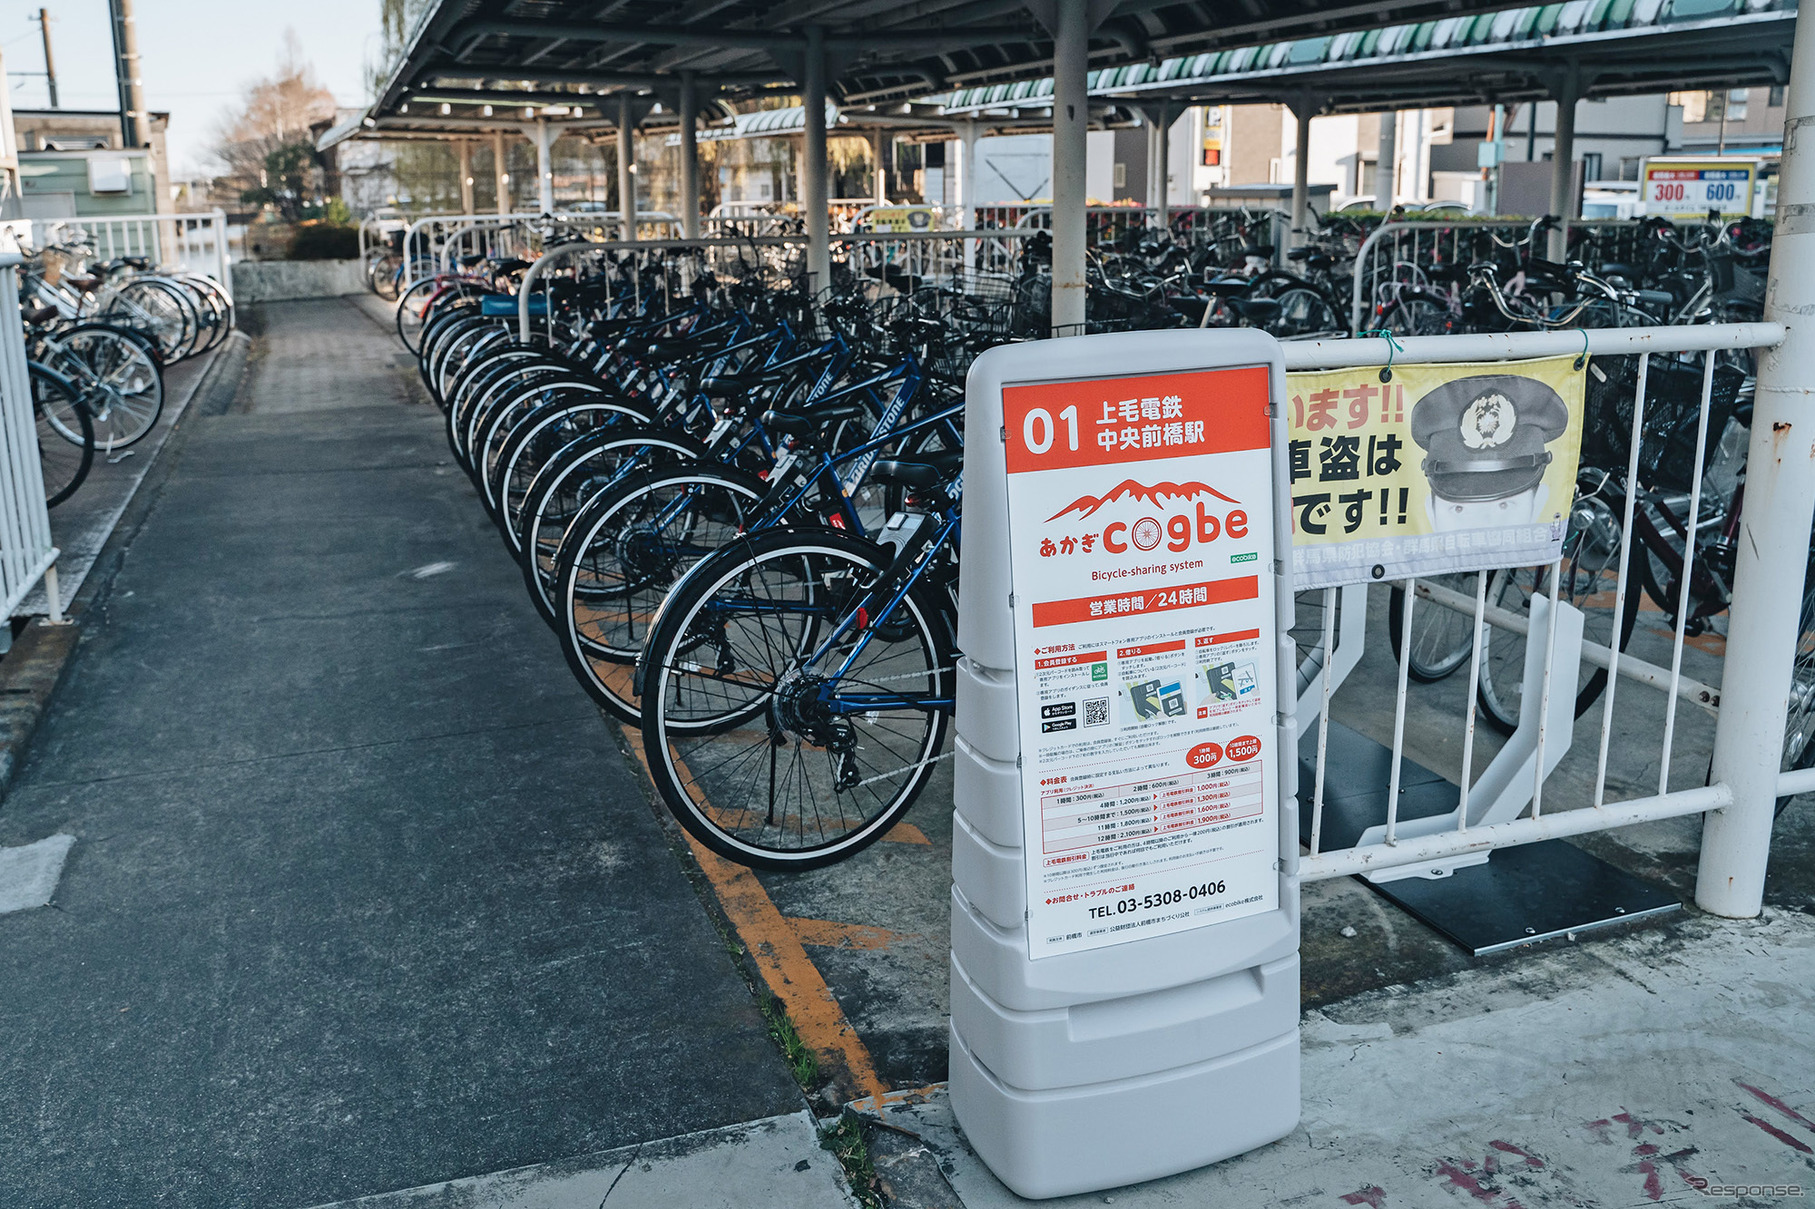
(1484, 439)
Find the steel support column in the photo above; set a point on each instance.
(1303, 109)
(545, 169)
(1562, 162)
(627, 180)
(690, 157)
(813, 160)
(1070, 147)
(1159, 155)
(965, 190)
(500, 172)
(1386, 164)
(1773, 550)
(465, 149)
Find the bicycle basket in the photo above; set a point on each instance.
(1673, 395)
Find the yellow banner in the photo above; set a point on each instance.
(1444, 468)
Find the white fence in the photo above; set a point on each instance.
(1398, 257)
(434, 243)
(26, 552)
(891, 259)
(1505, 803)
(186, 243)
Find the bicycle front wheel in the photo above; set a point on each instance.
(790, 717)
(1440, 635)
(64, 459)
(127, 392)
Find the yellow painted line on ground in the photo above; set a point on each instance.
(786, 969)
(830, 934)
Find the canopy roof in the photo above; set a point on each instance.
(1612, 46)
(550, 52)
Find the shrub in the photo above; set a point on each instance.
(322, 240)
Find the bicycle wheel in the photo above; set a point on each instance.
(569, 478)
(1418, 315)
(124, 389)
(622, 554)
(1590, 571)
(412, 308)
(157, 312)
(785, 725)
(542, 434)
(1440, 638)
(1799, 721)
(57, 408)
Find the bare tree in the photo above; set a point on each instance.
(265, 148)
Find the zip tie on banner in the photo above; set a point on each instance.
(1392, 346)
(1582, 357)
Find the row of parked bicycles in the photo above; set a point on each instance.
(738, 506)
(99, 335)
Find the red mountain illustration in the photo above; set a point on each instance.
(1084, 505)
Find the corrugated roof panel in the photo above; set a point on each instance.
(1306, 50)
(1547, 19)
(1570, 19)
(1697, 10)
(1443, 31)
(1422, 33)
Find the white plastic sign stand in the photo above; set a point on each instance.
(1124, 923)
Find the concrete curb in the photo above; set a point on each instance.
(31, 671)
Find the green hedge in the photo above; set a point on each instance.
(324, 241)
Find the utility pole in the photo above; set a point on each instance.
(50, 64)
(134, 128)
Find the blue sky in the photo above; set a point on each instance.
(195, 54)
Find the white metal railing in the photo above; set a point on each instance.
(1505, 803)
(927, 257)
(186, 243)
(1398, 256)
(26, 552)
(432, 242)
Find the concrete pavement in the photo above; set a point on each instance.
(361, 896)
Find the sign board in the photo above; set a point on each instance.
(903, 218)
(1213, 136)
(1692, 187)
(1445, 468)
(1141, 531)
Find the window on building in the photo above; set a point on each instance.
(1775, 99)
(1629, 167)
(1737, 103)
(1693, 104)
(1591, 166)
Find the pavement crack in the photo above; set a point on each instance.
(620, 1175)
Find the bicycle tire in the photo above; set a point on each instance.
(567, 480)
(915, 659)
(622, 555)
(63, 466)
(1436, 652)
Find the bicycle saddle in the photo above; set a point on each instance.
(1263, 250)
(1256, 310)
(924, 472)
(742, 381)
(807, 425)
(39, 314)
(510, 265)
(472, 258)
(1228, 287)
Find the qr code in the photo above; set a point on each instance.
(1096, 711)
